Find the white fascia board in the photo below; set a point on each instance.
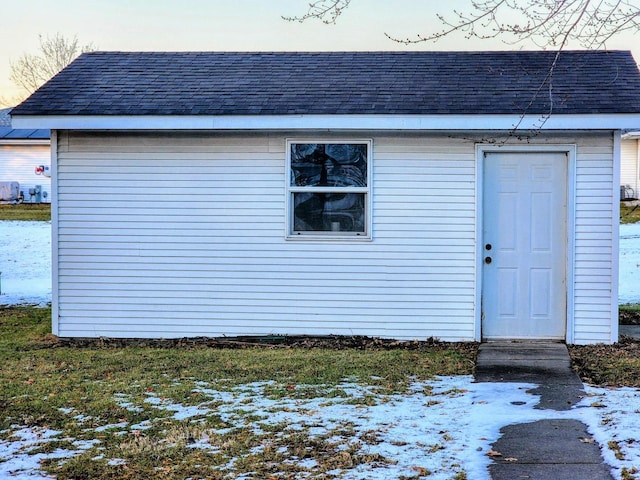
(23, 141)
(631, 135)
(330, 122)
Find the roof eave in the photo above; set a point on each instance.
(616, 121)
(24, 141)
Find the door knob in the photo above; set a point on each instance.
(487, 260)
(488, 246)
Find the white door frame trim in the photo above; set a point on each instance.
(571, 151)
(55, 277)
(615, 230)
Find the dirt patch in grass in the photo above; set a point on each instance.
(332, 342)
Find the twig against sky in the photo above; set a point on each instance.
(327, 11)
(545, 23)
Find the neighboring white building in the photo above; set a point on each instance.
(382, 194)
(22, 151)
(630, 166)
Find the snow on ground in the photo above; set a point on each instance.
(629, 290)
(446, 425)
(25, 263)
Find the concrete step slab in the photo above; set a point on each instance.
(540, 363)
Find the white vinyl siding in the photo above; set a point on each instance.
(18, 163)
(183, 234)
(595, 239)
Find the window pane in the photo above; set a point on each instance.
(328, 165)
(329, 212)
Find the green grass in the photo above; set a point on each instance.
(26, 211)
(45, 383)
(75, 389)
(629, 214)
(629, 307)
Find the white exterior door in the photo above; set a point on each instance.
(524, 248)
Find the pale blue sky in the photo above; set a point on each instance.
(226, 25)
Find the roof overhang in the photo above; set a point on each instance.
(337, 122)
(631, 135)
(24, 141)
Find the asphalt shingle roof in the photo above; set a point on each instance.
(280, 83)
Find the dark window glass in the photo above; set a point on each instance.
(329, 212)
(329, 165)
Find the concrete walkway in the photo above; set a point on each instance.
(546, 449)
(629, 330)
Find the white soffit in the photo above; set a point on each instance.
(338, 122)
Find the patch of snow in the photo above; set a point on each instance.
(17, 457)
(85, 444)
(128, 405)
(144, 425)
(25, 263)
(181, 412)
(111, 426)
(614, 417)
(629, 287)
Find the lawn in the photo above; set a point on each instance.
(107, 409)
(629, 213)
(102, 401)
(26, 211)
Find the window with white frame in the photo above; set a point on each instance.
(329, 189)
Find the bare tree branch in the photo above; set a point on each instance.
(31, 71)
(327, 11)
(546, 23)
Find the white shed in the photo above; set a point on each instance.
(455, 195)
